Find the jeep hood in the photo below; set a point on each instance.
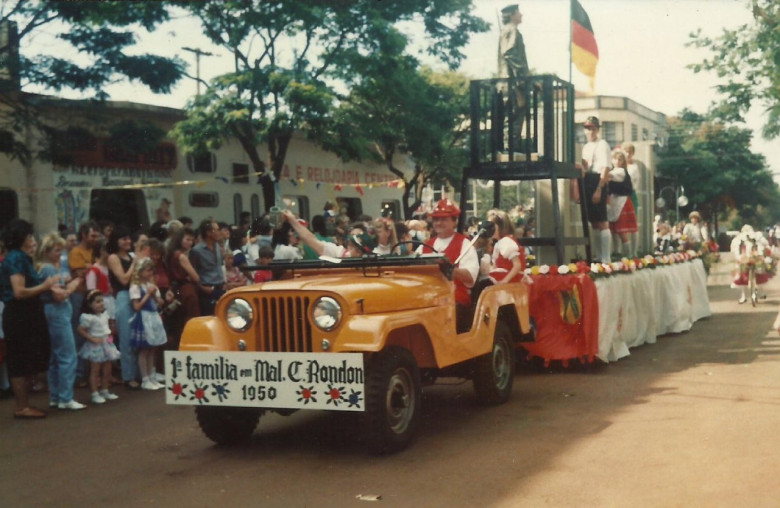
(379, 293)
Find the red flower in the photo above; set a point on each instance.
(177, 389)
(553, 269)
(200, 393)
(335, 393)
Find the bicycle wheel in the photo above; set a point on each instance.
(752, 287)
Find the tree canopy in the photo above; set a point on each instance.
(747, 62)
(94, 38)
(714, 163)
(307, 66)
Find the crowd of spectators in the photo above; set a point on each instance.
(98, 306)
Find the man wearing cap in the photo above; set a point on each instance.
(454, 245)
(596, 163)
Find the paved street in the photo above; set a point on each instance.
(689, 421)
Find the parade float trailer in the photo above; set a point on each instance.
(364, 335)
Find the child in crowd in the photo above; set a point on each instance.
(266, 255)
(99, 348)
(97, 278)
(233, 276)
(147, 331)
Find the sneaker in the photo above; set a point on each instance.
(150, 385)
(742, 300)
(159, 378)
(108, 395)
(53, 404)
(98, 399)
(72, 405)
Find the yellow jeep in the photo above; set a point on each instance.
(360, 334)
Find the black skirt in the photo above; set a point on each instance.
(26, 337)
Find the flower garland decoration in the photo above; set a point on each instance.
(625, 265)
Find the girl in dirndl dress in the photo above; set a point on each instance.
(508, 258)
(146, 326)
(620, 209)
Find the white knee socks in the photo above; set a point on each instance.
(605, 239)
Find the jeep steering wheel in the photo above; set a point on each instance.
(415, 243)
(445, 265)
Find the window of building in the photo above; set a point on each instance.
(120, 206)
(9, 207)
(238, 207)
(645, 135)
(353, 207)
(204, 199)
(240, 173)
(298, 205)
(613, 133)
(391, 208)
(634, 132)
(202, 163)
(254, 204)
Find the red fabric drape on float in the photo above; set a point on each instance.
(566, 312)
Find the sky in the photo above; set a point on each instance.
(642, 52)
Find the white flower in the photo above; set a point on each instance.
(563, 269)
(544, 269)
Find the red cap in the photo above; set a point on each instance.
(446, 208)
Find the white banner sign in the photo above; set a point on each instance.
(333, 381)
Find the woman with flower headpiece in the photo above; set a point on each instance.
(751, 251)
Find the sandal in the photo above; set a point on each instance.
(29, 413)
(132, 385)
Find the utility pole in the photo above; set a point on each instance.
(198, 53)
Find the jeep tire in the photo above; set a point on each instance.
(227, 425)
(393, 397)
(494, 373)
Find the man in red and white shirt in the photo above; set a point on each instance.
(455, 245)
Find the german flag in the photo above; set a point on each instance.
(584, 50)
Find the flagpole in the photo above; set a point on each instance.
(571, 36)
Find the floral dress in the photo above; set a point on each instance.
(752, 250)
(146, 326)
(97, 326)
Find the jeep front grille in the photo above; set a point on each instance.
(284, 324)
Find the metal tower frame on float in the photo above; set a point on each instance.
(510, 141)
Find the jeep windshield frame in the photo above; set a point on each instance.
(368, 262)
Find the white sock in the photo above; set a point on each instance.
(605, 238)
(627, 249)
(596, 246)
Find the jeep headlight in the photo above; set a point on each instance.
(326, 313)
(239, 315)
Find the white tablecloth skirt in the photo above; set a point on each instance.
(636, 308)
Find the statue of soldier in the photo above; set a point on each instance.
(513, 66)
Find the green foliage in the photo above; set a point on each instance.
(313, 67)
(414, 112)
(714, 163)
(747, 61)
(99, 34)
